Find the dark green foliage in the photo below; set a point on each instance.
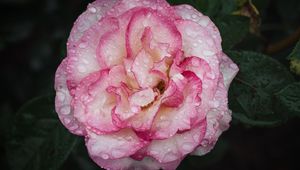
(252, 93)
(289, 99)
(265, 93)
(233, 29)
(38, 140)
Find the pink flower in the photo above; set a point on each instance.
(145, 82)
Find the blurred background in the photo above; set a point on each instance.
(33, 35)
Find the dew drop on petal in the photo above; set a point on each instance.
(82, 45)
(196, 137)
(204, 21)
(187, 146)
(67, 120)
(204, 143)
(194, 16)
(75, 126)
(211, 75)
(135, 109)
(164, 123)
(81, 68)
(117, 153)
(208, 53)
(104, 156)
(79, 131)
(92, 9)
(154, 152)
(169, 157)
(60, 96)
(146, 2)
(72, 51)
(65, 110)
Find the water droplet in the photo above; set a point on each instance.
(65, 110)
(135, 109)
(74, 58)
(187, 146)
(75, 126)
(117, 153)
(129, 138)
(204, 21)
(195, 44)
(104, 155)
(178, 76)
(146, 2)
(204, 142)
(170, 157)
(92, 9)
(162, 117)
(154, 152)
(208, 53)
(196, 137)
(216, 104)
(67, 120)
(194, 16)
(121, 141)
(79, 131)
(82, 45)
(210, 75)
(189, 7)
(72, 51)
(81, 68)
(85, 61)
(164, 123)
(60, 96)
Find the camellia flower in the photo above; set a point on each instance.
(145, 83)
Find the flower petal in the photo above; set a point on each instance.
(142, 121)
(208, 56)
(229, 69)
(93, 104)
(177, 146)
(113, 146)
(188, 12)
(218, 119)
(147, 163)
(127, 5)
(163, 34)
(111, 49)
(142, 98)
(63, 102)
(142, 66)
(82, 54)
(95, 12)
(169, 120)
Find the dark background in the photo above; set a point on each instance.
(33, 34)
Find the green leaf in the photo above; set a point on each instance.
(252, 93)
(289, 99)
(38, 140)
(296, 52)
(233, 29)
(294, 58)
